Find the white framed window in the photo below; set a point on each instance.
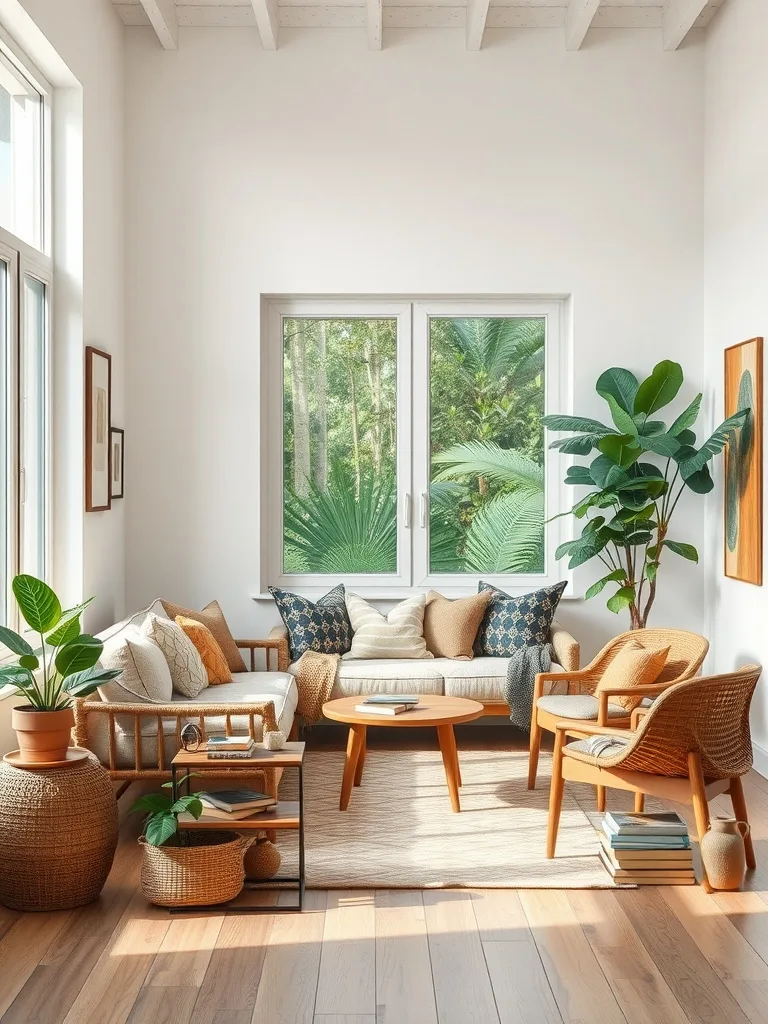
(403, 445)
(26, 294)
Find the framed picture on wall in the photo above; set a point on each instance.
(98, 409)
(117, 457)
(744, 464)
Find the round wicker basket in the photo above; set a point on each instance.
(262, 860)
(58, 834)
(209, 870)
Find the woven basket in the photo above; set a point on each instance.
(58, 833)
(209, 870)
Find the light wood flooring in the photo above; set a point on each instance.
(646, 956)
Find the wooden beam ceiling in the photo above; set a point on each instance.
(578, 18)
(267, 22)
(375, 16)
(162, 15)
(677, 20)
(477, 15)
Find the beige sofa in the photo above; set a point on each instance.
(138, 740)
(481, 679)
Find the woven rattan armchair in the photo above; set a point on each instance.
(686, 655)
(692, 745)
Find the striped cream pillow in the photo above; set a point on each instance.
(397, 635)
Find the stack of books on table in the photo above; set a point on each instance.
(235, 804)
(230, 746)
(647, 849)
(387, 704)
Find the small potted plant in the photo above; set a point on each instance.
(187, 867)
(52, 675)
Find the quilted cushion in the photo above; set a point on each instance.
(511, 623)
(321, 625)
(583, 706)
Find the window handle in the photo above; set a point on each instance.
(423, 507)
(407, 511)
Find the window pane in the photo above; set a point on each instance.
(339, 445)
(6, 433)
(21, 135)
(34, 426)
(486, 445)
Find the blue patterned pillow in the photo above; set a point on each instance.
(315, 626)
(511, 623)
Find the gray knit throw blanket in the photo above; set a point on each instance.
(521, 676)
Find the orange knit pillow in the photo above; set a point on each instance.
(210, 653)
(634, 665)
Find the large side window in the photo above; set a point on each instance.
(404, 445)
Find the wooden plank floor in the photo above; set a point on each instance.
(646, 956)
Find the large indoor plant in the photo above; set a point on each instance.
(636, 478)
(51, 675)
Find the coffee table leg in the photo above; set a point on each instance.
(355, 743)
(450, 762)
(458, 766)
(361, 757)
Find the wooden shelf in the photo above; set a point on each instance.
(291, 756)
(283, 816)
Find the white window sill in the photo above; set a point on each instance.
(390, 595)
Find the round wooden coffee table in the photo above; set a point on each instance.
(441, 712)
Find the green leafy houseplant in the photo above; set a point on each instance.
(636, 479)
(161, 826)
(64, 665)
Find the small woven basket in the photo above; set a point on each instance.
(209, 870)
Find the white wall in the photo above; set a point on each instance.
(422, 169)
(736, 219)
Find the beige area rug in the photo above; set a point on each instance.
(399, 830)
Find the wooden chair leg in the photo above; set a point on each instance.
(534, 747)
(700, 804)
(600, 797)
(639, 803)
(740, 811)
(555, 795)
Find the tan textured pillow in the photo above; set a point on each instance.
(212, 617)
(211, 654)
(634, 665)
(450, 627)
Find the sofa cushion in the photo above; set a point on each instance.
(450, 627)
(134, 621)
(246, 688)
(186, 666)
(480, 679)
(511, 623)
(398, 634)
(321, 625)
(213, 617)
(144, 670)
(385, 675)
(212, 656)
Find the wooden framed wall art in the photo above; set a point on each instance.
(98, 409)
(744, 464)
(117, 456)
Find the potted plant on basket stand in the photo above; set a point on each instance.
(52, 675)
(640, 471)
(187, 867)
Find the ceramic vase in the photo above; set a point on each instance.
(722, 853)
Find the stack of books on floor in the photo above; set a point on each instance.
(387, 704)
(230, 747)
(235, 804)
(647, 849)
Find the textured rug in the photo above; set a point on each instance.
(399, 831)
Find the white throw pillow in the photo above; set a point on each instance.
(397, 635)
(144, 671)
(188, 674)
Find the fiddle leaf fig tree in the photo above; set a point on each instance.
(639, 469)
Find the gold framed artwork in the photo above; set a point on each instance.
(744, 464)
(98, 402)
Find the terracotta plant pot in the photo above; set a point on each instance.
(722, 853)
(43, 736)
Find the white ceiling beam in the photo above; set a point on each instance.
(477, 15)
(266, 19)
(578, 18)
(677, 20)
(375, 19)
(162, 15)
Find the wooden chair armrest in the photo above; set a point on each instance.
(590, 729)
(636, 715)
(652, 690)
(272, 643)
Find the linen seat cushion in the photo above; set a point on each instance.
(511, 623)
(450, 627)
(213, 617)
(246, 688)
(581, 750)
(582, 706)
(481, 679)
(188, 673)
(321, 625)
(211, 654)
(634, 665)
(399, 634)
